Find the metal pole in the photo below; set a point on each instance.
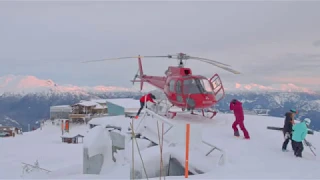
(132, 136)
(28, 127)
(62, 126)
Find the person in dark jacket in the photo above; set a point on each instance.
(149, 97)
(236, 107)
(287, 128)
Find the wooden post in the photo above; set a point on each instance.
(186, 172)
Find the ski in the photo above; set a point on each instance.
(311, 147)
(280, 129)
(312, 151)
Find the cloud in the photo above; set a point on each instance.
(310, 81)
(260, 39)
(289, 87)
(316, 43)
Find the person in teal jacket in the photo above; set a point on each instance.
(300, 132)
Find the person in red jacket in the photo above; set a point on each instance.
(236, 107)
(149, 97)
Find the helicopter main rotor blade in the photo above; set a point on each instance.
(222, 67)
(183, 56)
(179, 56)
(209, 60)
(111, 59)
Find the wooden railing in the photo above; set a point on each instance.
(77, 115)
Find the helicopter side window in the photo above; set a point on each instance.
(178, 87)
(190, 87)
(171, 85)
(206, 85)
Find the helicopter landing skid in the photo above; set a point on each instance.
(171, 112)
(214, 113)
(209, 114)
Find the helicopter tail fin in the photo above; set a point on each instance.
(139, 74)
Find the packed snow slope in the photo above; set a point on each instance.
(260, 157)
(44, 146)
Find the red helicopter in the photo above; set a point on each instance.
(181, 87)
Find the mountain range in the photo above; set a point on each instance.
(26, 99)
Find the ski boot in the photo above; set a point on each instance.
(236, 134)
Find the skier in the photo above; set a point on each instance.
(287, 128)
(149, 97)
(299, 134)
(236, 107)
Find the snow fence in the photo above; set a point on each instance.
(173, 160)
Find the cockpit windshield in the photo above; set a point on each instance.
(196, 86)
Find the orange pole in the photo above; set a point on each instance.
(186, 172)
(67, 125)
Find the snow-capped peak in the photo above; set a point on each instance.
(18, 84)
(23, 82)
(289, 87)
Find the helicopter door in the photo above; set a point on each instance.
(218, 89)
(172, 92)
(179, 91)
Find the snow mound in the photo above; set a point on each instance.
(92, 140)
(259, 157)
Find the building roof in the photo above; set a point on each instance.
(68, 135)
(125, 102)
(61, 107)
(99, 100)
(92, 103)
(7, 126)
(98, 106)
(87, 103)
(109, 120)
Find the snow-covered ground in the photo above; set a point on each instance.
(260, 157)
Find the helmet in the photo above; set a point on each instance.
(307, 121)
(294, 111)
(152, 96)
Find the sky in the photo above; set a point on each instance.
(269, 42)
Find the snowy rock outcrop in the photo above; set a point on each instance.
(97, 152)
